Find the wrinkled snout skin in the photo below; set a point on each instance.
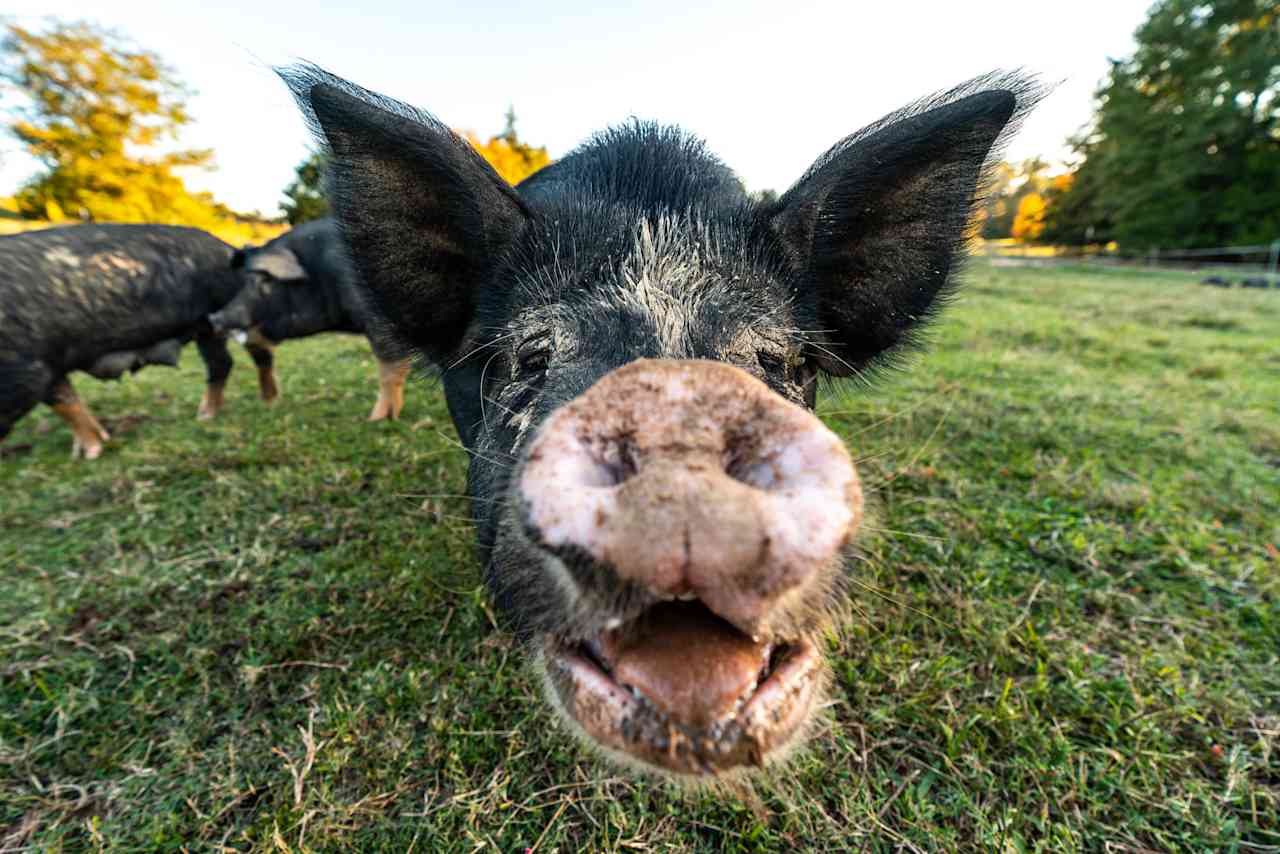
(630, 348)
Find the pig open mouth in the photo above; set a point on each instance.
(709, 501)
(681, 689)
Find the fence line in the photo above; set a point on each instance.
(1259, 258)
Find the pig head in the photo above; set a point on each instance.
(630, 348)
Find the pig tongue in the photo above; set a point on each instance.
(687, 662)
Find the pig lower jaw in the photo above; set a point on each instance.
(769, 719)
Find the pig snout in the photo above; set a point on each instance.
(217, 324)
(227, 320)
(694, 479)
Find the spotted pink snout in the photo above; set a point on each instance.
(693, 478)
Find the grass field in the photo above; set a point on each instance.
(267, 632)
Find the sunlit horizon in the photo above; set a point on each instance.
(769, 92)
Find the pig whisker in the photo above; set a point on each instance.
(416, 495)
(492, 460)
(468, 519)
(480, 347)
(502, 406)
(871, 588)
(886, 419)
(936, 539)
(484, 418)
(923, 447)
(834, 356)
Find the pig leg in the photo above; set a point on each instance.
(88, 435)
(217, 362)
(391, 376)
(22, 385)
(261, 350)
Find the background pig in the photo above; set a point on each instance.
(630, 349)
(301, 284)
(105, 299)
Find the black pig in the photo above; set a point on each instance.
(629, 348)
(105, 299)
(302, 284)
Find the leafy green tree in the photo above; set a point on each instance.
(304, 197)
(95, 104)
(1184, 150)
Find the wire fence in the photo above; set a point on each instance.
(1255, 266)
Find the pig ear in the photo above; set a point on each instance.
(879, 222)
(426, 219)
(280, 264)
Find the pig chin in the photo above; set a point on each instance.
(679, 691)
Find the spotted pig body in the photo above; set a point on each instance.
(105, 300)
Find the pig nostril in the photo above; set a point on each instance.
(617, 459)
(747, 462)
(625, 467)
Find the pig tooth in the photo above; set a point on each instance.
(687, 597)
(612, 623)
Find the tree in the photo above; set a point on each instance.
(94, 103)
(1003, 197)
(305, 195)
(511, 158)
(1029, 221)
(1184, 149)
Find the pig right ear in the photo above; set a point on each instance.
(876, 227)
(426, 219)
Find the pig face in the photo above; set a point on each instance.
(630, 350)
(277, 295)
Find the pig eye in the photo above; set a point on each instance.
(534, 362)
(772, 363)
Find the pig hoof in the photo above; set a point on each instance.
(87, 450)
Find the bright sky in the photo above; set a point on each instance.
(770, 85)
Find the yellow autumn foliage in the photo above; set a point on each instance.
(95, 107)
(1028, 223)
(511, 158)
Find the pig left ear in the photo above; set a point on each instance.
(878, 223)
(426, 219)
(280, 264)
